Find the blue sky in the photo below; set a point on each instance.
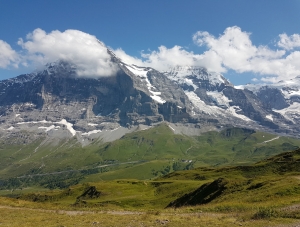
(265, 34)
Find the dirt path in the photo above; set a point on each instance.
(113, 212)
(73, 212)
(267, 141)
(167, 217)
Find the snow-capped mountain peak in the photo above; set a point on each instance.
(192, 77)
(135, 95)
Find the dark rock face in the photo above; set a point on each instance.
(58, 93)
(140, 96)
(257, 107)
(205, 194)
(90, 193)
(272, 98)
(231, 132)
(249, 105)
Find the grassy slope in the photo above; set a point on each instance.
(229, 147)
(23, 216)
(277, 176)
(265, 193)
(274, 182)
(159, 147)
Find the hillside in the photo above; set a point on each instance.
(144, 154)
(264, 193)
(273, 178)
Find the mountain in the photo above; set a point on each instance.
(55, 116)
(268, 107)
(282, 97)
(55, 100)
(58, 103)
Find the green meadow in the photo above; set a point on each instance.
(266, 193)
(141, 155)
(234, 177)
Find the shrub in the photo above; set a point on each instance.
(265, 212)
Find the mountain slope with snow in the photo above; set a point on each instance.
(56, 101)
(274, 106)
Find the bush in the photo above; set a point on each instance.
(265, 212)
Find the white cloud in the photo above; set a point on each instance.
(289, 42)
(163, 59)
(7, 55)
(236, 52)
(232, 50)
(127, 58)
(77, 47)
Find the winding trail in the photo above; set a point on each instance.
(267, 141)
(113, 212)
(73, 212)
(188, 149)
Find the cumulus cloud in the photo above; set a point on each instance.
(127, 58)
(79, 48)
(232, 50)
(7, 55)
(289, 42)
(165, 58)
(237, 52)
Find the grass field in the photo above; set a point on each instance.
(263, 194)
(139, 155)
(36, 217)
(226, 178)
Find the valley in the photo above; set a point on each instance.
(142, 147)
(142, 155)
(205, 196)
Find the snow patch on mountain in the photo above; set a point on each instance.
(270, 117)
(91, 132)
(142, 73)
(68, 125)
(201, 106)
(233, 111)
(181, 74)
(288, 88)
(34, 122)
(293, 111)
(219, 98)
(20, 79)
(91, 124)
(289, 92)
(215, 110)
(49, 128)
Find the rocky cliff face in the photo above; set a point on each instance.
(56, 99)
(58, 103)
(266, 107)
